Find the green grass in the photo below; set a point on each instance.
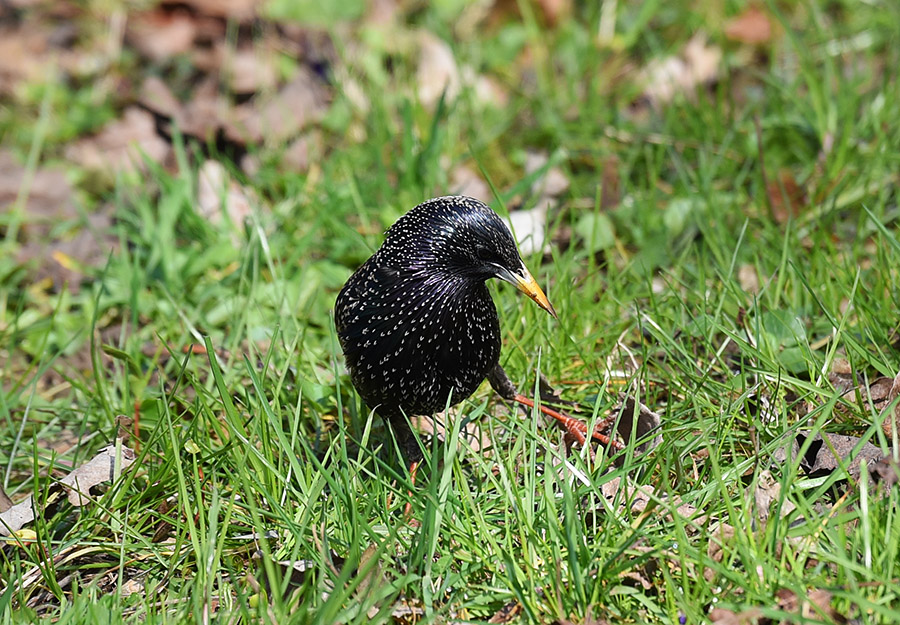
(259, 452)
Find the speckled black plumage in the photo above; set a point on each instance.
(416, 321)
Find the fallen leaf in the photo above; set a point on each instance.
(554, 11)
(465, 181)
(160, 34)
(486, 90)
(510, 612)
(815, 605)
(637, 420)
(49, 200)
(552, 183)
(477, 437)
(122, 144)
(76, 485)
(219, 197)
(721, 616)
(719, 536)
(529, 227)
(748, 278)
(820, 458)
(155, 96)
(58, 244)
(277, 118)
(208, 113)
(666, 78)
(5, 502)
(786, 196)
(753, 27)
(892, 420)
(132, 587)
(767, 493)
(611, 191)
(885, 472)
(27, 53)
(382, 13)
(296, 155)
(437, 71)
(237, 10)
(249, 69)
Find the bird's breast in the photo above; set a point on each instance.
(409, 354)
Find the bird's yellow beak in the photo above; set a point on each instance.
(529, 286)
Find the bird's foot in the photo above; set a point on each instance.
(575, 427)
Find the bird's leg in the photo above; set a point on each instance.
(410, 450)
(575, 427)
(413, 470)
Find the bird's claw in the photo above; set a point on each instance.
(575, 427)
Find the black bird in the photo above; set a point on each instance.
(416, 321)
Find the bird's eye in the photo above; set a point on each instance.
(483, 253)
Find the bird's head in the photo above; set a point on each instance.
(462, 237)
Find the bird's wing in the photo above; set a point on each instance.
(370, 304)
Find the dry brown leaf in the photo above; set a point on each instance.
(237, 10)
(553, 183)
(50, 196)
(486, 90)
(830, 451)
(122, 144)
(815, 605)
(635, 416)
(465, 181)
(160, 34)
(878, 393)
(131, 587)
(67, 259)
(611, 192)
(219, 197)
(509, 613)
(437, 71)
(207, 112)
(786, 196)
(52, 252)
(76, 485)
(748, 278)
(720, 535)
(554, 11)
(249, 70)
(841, 366)
(766, 493)
(892, 420)
(753, 27)
(530, 228)
(27, 53)
(721, 616)
(282, 116)
(406, 610)
(5, 502)
(697, 65)
(382, 13)
(296, 155)
(885, 472)
(477, 437)
(639, 499)
(156, 96)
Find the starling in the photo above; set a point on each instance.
(416, 321)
